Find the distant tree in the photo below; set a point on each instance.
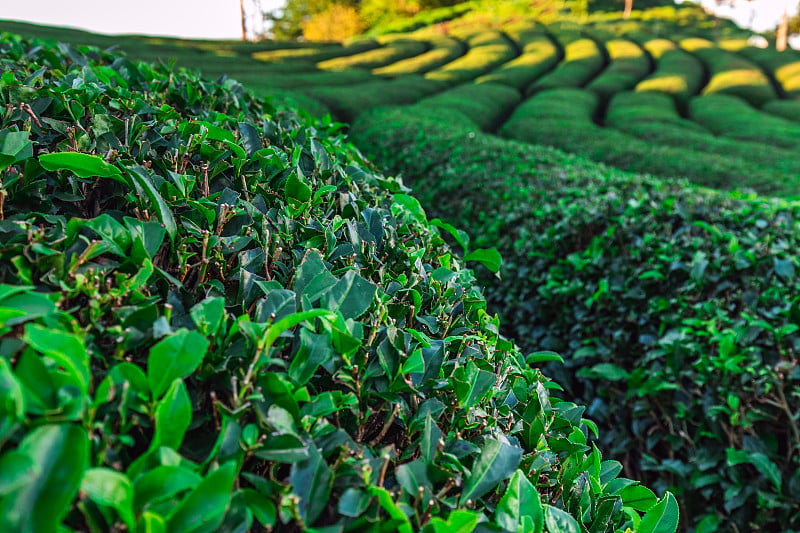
(626, 13)
(287, 22)
(337, 23)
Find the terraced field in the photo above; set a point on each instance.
(688, 220)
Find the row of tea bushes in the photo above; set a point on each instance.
(676, 307)
(443, 50)
(215, 317)
(677, 71)
(486, 51)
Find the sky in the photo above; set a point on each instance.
(219, 19)
(210, 19)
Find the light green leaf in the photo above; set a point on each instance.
(405, 202)
(177, 356)
(558, 521)
(638, 497)
(459, 521)
(204, 508)
(488, 257)
(662, 518)
(82, 165)
(208, 315)
(112, 489)
(401, 522)
(519, 501)
(545, 356)
(65, 348)
(173, 416)
(497, 462)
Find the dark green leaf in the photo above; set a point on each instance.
(143, 182)
(558, 521)
(161, 483)
(497, 461)
(173, 416)
(66, 349)
(283, 448)
(352, 295)
(311, 482)
(519, 501)
(82, 165)
(14, 147)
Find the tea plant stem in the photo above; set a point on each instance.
(386, 425)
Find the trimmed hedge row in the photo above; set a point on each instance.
(732, 117)
(628, 64)
(389, 52)
(653, 117)
(486, 104)
(486, 51)
(539, 55)
(563, 118)
(313, 53)
(784, 66)
(786, 109)
(733, 75)
(442, 51)
(347, 102)
(676, 306)
(213, 317)
(677, 72)
(583, 59)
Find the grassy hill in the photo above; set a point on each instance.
(658, 260)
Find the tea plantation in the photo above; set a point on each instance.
(217, 314)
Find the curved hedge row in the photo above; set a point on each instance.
(582, 60)
(677, 306)
(628, 64)
(539, 55)
(486, 104)
(677, 71)
(654, 118)
(563, 118)
(389, 52)
(213, 317)
(486, 51)
(784, 66)
(733, 75)
(442, 51)
(731, 117)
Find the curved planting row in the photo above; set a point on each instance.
(563, 118)
(733, 75)
(784, 66)
(583, 59)
(628, 64)
(442, 51)
(677, 72)
(675, 306)
(486, 104)
(214, 317)
(486, 51)
(734, 118)
(391, 51)
(539, 56)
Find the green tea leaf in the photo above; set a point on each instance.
(497, 461)
(161, 483)
(488, 257)
(112, 489)
(311, 482)
(399, 518)
(558, 521)
(18, 470)
(352, 295)
(638, 497)
(14, 147)
(459, 521)
(208, 315)
(143, 182)
(66, 349)
(59, 454)
(204, 508)
(177, 356)
(82, 165)
(173, 416)
(662, 518)
(519, 501)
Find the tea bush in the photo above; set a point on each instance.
(732, 74)
(443, 50)
(677, 72)
(486, 51)
(390, 52)
(215, 317)
(628, 64)
(676, 306)
(486, 104)
(731, 117)
(784, 66)
(539, 55)
(564, 119)
(582, 60)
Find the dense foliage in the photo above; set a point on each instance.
(213, 316)
(676, 307)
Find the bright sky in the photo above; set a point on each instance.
(759, 15)
(212, 19)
